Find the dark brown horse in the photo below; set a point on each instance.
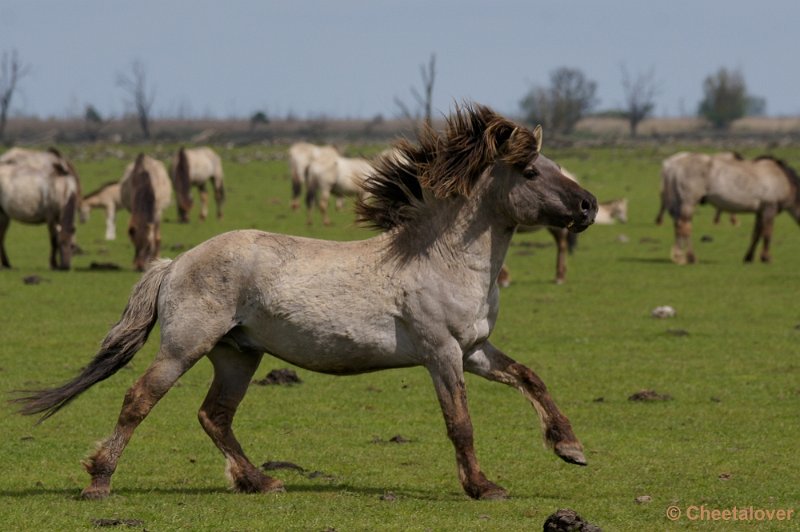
(422, 293)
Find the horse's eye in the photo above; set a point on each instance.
(530, 173)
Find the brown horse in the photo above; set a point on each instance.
(765, 186)
(40, 188)
(422, 293)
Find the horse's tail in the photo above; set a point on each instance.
(118, 348)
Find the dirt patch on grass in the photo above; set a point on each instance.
(280, 377)
(649, 396)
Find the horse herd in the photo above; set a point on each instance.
(43, 187)
(422, 292)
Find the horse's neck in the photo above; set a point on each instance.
(472, 239)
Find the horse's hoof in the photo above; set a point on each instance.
(571, 452)
(93, 493)
(495, 493)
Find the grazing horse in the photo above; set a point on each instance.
(193, 167)
(36, 188)
(422, 293)
(108, 198)
(146, 191)
(764, 186)
(330, 173)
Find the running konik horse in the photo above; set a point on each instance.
(40, 188)
(422, 293)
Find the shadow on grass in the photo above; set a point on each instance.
(366, 491)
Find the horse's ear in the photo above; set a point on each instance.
(59, 169)
(537, 137)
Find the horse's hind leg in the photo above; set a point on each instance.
(232, 373)
(491, 363)
(561, 237)
(452, 394)
(139, 400)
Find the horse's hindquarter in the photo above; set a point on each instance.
(745, 186)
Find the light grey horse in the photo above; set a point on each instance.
(40, 188)
(764, 186)
(422, 293)
(194, 167)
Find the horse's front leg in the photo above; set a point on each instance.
(448, 380)
(52, 230)
(491, 363)
(111, 222)
(682, 252)
(203, 202)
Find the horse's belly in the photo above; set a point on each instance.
(349, 349)
(733, 202)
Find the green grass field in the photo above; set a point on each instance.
(729, 360)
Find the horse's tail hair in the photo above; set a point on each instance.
(118, 348)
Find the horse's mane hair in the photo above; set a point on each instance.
(181, 178)
(69, 169)
(442, 164)
(144, 197)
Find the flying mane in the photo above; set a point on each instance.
(441, 165)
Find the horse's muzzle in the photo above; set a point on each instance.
(586, 213)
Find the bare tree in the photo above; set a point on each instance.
(570, 96)
(11, 72)
(640, 92)
(424, 99)
(141, 97)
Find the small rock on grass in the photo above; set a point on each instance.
(664, 311)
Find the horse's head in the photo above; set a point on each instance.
(65, 236)
(534, 191)
(181, 182)
(143, 226)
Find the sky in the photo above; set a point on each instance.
(353, 58)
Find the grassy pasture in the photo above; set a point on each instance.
(728, 438)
